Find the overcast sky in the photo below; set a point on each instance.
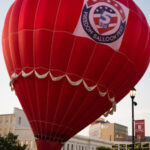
(8, 99)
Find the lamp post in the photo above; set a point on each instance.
(132, 95)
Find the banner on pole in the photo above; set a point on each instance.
(139, 129)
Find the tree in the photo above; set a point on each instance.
(10, 142)
(103, 148)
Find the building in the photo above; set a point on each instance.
(17, 123)
(108, 131)
(117, 134)
(95, 128)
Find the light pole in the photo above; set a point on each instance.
(132, 95)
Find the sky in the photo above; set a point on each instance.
(8, 99)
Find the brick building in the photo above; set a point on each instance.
(108, 131)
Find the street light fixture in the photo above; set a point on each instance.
(132, 95)
(132, 92)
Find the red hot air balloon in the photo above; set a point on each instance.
(71, 61)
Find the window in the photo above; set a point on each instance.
(110, 138)
(0, 131)
(31, 144)
(10, 130)
(11, 119)
(79, 147)
(67, 146)
(26, 142)
(72, 147)
(21, 143)
(5, 131)
(19, 121)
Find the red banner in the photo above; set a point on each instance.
(139, 129)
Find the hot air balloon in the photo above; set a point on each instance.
(71, 61)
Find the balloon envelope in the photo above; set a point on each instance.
(72, 61)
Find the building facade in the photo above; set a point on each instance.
(17, 123)
(7, 124)
(108, 131)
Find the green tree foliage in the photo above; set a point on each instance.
(10, 142)
(103, 148)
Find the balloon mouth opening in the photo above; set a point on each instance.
(48, 144)
(51, 139)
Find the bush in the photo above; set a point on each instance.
(10, 142)
(103, 148)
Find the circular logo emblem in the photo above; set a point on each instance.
(104, 20)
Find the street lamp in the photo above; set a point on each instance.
(132, 95)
